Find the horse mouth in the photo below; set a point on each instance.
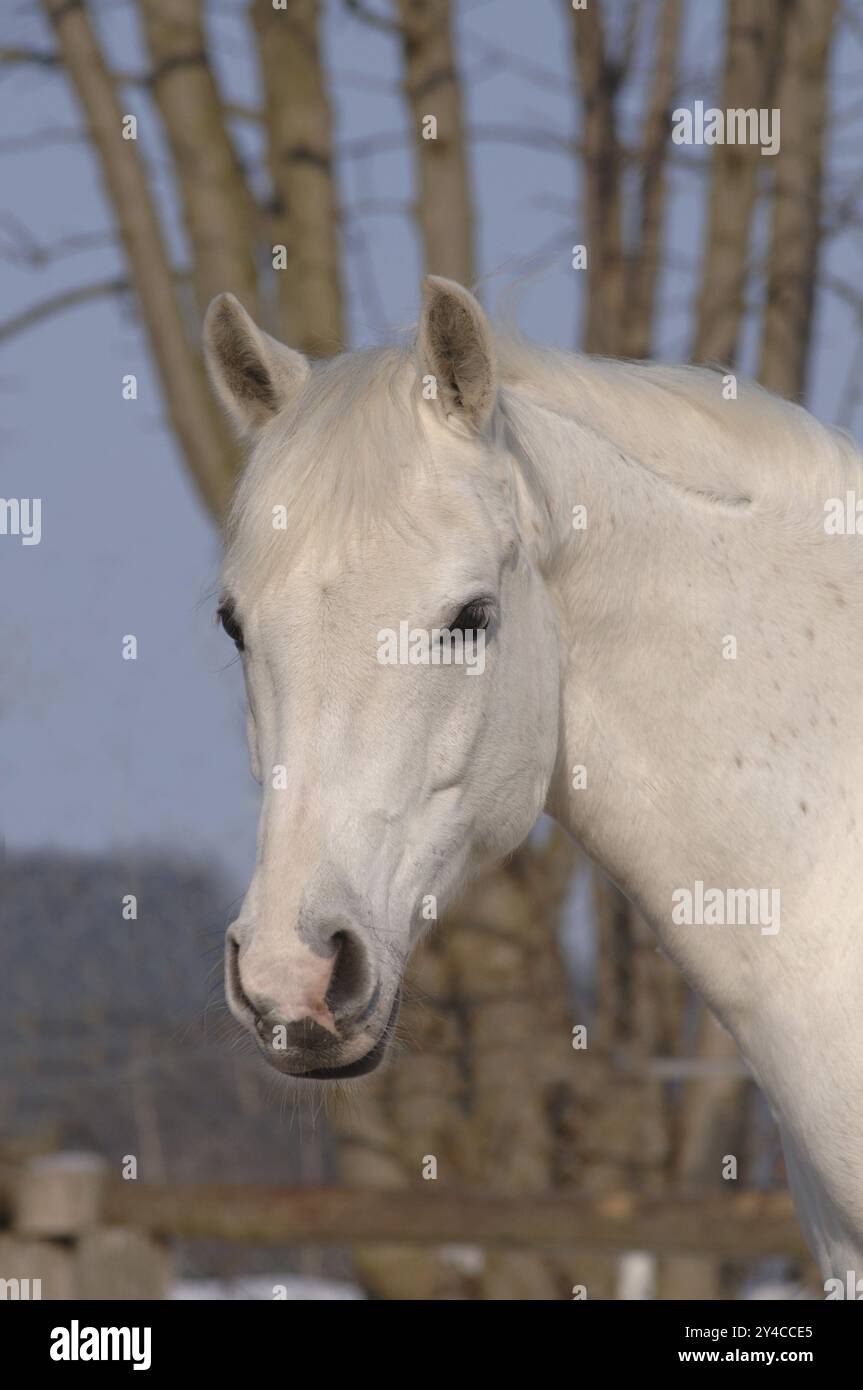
(362, 1066)
(341, 1072)
(338, 1071)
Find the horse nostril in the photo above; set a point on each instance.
(235, 984)
(351, 978)
(232, 970)
(327, 989)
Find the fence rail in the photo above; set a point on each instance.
(742, 1225)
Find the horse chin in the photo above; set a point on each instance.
(362, 1067)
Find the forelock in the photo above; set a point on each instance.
(335, 462)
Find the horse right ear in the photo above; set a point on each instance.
(253, 375)
(456, 347)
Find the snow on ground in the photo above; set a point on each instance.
(258, 1288)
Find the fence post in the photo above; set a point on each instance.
(59, 1194)
(60, 1197)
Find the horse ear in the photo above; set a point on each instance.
(252, 374)
(456, 346)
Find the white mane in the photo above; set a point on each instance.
(337, 457)
(675, 422)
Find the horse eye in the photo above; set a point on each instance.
(230, 623)
(474, 617)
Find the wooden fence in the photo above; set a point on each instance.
(56, 1242)
(742, 1225)
(84, 1235)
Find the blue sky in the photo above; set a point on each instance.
(98, 753)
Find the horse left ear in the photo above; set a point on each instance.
(457, 348)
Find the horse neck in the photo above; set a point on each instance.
(700, 764)
(739, 773)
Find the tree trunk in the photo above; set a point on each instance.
(797, 193)
(192, 411)
(599, 79)
(218, 209)
(751, 56)
(444, 209)
(643, 264)
(305, 212)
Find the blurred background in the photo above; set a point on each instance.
(278, 150)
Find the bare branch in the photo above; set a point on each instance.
(57, 303)
(361, 81)
(852, 391)
(369, 290)
(41, 139)
(505, 61)
(531, 137)
(371, 17)
(380, 142)
(52, 59)
(631, 27)
(377, 207)
(28, 251)
(48, 58)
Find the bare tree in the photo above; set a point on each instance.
(644, 260)
(753, 34)
(797, 196)
(599, 77)
(183, 385)
(444, 205)
(305, 215)
(219, 211)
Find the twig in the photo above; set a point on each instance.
(372, 18)
(52, 59)
(56, 303)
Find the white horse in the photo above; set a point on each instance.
(670, 620)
